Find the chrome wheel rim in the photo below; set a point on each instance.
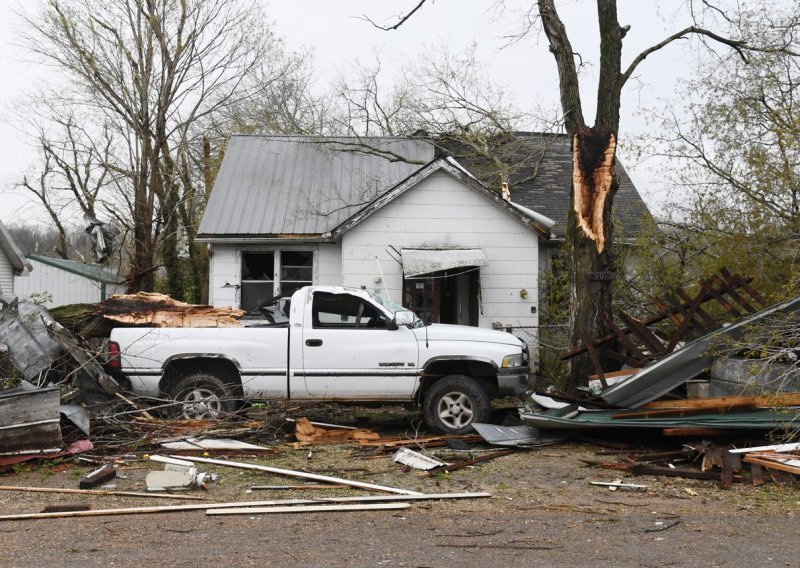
(455, 410)
(199, 402)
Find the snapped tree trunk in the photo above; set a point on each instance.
(589, 234)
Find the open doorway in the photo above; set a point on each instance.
(448, 296)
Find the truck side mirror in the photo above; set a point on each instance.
(405, 317)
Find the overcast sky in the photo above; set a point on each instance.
(337, 35)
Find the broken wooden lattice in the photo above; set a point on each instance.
(636, 344)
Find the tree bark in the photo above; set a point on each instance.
(594, 183)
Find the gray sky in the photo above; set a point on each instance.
(337, 36)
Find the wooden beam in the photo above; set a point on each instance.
(270, 503)
(300, 474)
(309, 509)
(759, 401)
(678, 412)
(100, 492)
(769, 464)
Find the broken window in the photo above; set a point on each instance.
(343, 311)
(266, 274)
(258, 278)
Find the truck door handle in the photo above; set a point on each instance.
(313, 342)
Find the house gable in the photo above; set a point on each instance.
(526, 217)
(442, 213)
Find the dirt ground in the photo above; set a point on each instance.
(543, 512)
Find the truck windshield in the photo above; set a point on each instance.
(394, 308)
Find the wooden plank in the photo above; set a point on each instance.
(759, 401)
(309, 509)
(302, 475)
(270, 503)
(757, 474)
(769, 464)
(594, 357)
(678, 412)
(688, 317)
(466, 463)
(774, 448)
(615, 374)
(696, 432)
(710, 324)
(99, 492)
(643, 333)
(633, 350)
(744, 284)
(98, 476)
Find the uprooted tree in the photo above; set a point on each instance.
(595, 183)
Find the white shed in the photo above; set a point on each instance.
(57, 282)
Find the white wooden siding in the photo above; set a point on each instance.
(60, 286)
(440, 212)
(6, 275)
(328, 269)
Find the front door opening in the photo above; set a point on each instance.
(449, 296)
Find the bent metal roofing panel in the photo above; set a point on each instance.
(304, 186)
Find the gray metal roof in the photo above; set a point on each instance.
(304, 186)
(539, 169)
(95, 272)
(301, 186)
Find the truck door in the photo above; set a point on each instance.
(349, 351)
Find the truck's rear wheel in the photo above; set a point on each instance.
(454, 403)
(202, 396)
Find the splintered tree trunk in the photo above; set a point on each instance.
(589, 232)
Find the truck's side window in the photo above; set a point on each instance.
(343, 311)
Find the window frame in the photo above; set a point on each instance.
(276, 281)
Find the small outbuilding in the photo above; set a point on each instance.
(57, 282)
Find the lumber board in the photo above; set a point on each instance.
(269, 503)
(769, 464)
(678, 412)
(99, 492)
(759, 401)
(300, 474)
(308, 509)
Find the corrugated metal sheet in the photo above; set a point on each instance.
(283, 185)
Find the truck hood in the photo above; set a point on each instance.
(446, 332)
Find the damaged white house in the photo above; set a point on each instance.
(395, 214)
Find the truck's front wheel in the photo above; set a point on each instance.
(454, 403)
(202, 396)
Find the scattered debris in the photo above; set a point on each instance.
(214, 444)
(245, 507)
(304, 475)
(417, 460)
(94, 492)
(98, 476)
(518, 436)
(617, 484)
(29, 421)
(308, 433)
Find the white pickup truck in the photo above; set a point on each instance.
(327, 343)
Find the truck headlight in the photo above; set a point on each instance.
(515, 360)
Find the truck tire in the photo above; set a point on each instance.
(454, 403)
(202, 396)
